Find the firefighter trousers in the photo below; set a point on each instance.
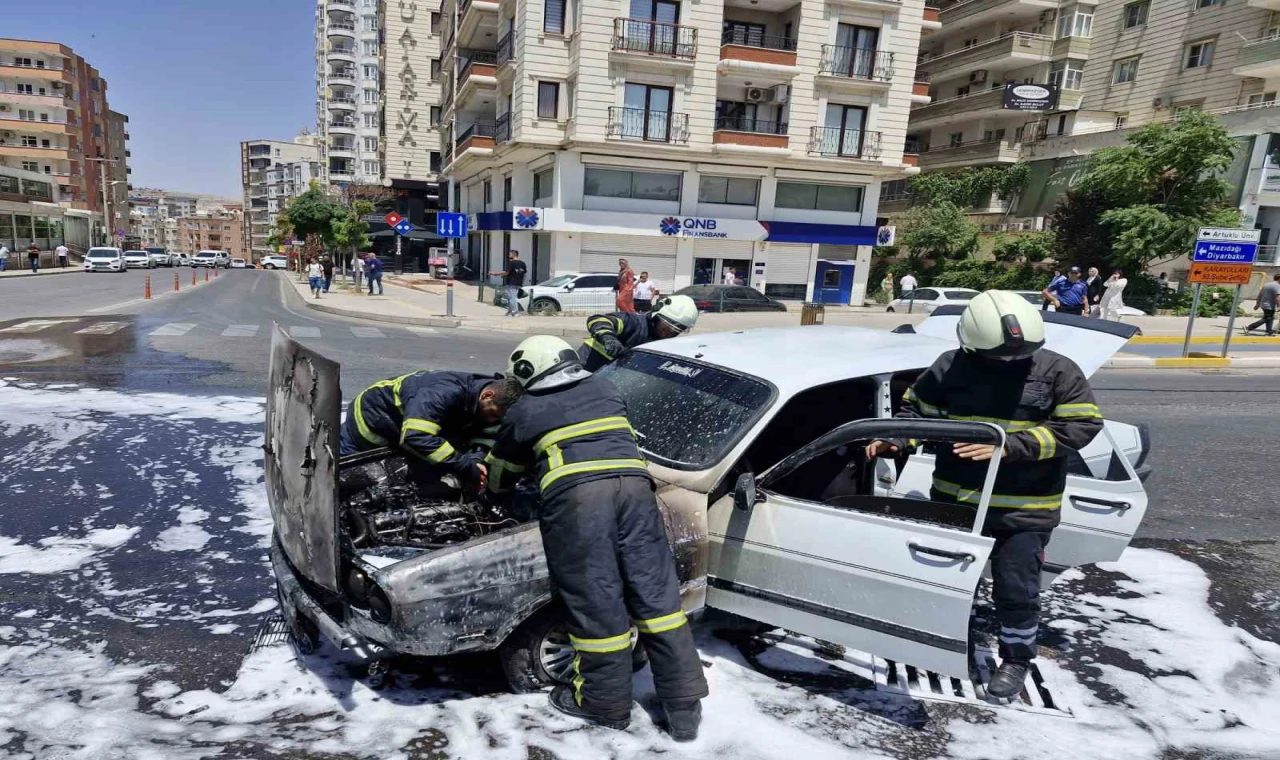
(610, 564)
(1016, 560)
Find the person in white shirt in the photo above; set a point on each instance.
(729, 277)
(908, 283)
(1112, 297)
(357, 270)
(4, 256)
(62, 252)
(644, 294)
(315, 276)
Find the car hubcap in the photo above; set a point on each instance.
(556, 654)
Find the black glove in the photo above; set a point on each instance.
(612, 345)
(469, 468)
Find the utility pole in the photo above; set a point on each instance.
(107, 222)
(453, 131)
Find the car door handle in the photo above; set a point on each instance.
(1091, 501)
(947, 553)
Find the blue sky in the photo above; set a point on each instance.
(195, 77)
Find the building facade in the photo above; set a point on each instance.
(272, 172)
(690, 138)
(215, 232)
(349, 90)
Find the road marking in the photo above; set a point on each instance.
(367, 332)
(240, 331)
(304, 332)
(173, 329)
(422, 330)
(36, 325)
(103, 328)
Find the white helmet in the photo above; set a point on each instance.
(680, 313)
(1001, 325)
(543, 362)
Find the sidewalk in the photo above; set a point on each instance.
(78, 269)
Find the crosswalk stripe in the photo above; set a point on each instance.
(103, 328)
(421, 330)
(305, 332)
(240, 331)
(35, 325)
(367, 332)
(173, 329)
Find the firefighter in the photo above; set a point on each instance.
(1002, 374)
(604, 538)
(423, 411)
(612, 334)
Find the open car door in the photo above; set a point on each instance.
(891, 576)
(301, 452)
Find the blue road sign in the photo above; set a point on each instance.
(404, 227)
(1225, 252)
(449, 225)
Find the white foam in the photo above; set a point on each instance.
(58, 554)
(186, 535)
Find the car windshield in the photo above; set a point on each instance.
(135, 253)
(155, 250)
(556, 282)
(1032, 297)
(958, 295)
(102, 253)
(687, 414)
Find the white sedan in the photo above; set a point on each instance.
(237, 264)
(138, 260)
(275, 261)
(925, 300)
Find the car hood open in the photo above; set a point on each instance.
(301, 453)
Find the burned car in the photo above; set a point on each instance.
(772, 513)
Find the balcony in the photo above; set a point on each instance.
(52, 153)
(920, 88)
(478, 137)
(478, 70)
(930, 21)
(342, 3)
(345, 54)
(972, 106)
(910, 154)
(53, 126)
(342, 150)
(855, 67)
(655, 41)
(752, 133)
(880, 5)
(502, 129)
(1271, 5)
(506, 48)
(972, 153)
(343, 76)
(55, 99)
(1005, 52)
(342, 127)
(477, 21)
(38, 70)
(342, 103)
(834, 142)
(1259, 58)
(342, 29)
(741, 45)
(961, 14)
(647, 125)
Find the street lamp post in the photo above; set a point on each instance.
(107, 222)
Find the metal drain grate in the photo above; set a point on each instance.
(273, 631)
(918, 683)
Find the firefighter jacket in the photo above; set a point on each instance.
(422, 412)
(566, 435)
(1046, 408)
(611, 334)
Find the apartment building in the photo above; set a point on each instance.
(215, 232)
(55, 125)
(118, 171)
(411, 62)
(349, 98)
(272, 172)
(689, 138)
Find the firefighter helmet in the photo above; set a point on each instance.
(679, 313)
(1001, 325)
(543, 362)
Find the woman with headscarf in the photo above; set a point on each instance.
(626, 286)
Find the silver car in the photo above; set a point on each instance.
(139, 260)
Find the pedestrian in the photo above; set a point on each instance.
(613, 334)
(1113, 298)
(33, 255)
(908, 283)
(373, 272)
(886, 287)
(729, 277)
(512, 281)
(1002, 374)
(315, 277)
(1093, 283)
(357, 271)
(326, 266)
(1163, 280)
(4, 257)
(603, 535)
(1057, 276)
(62, 252)
(645, 292)
(625, 287)
(1268, 301)
(1068, 294)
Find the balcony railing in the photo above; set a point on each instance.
(835, 142)
(1264, 50)
(479, 129)
(339, 124)
(343, 74)
(648, 124)
(740, 124)
(654, 37)
(33, 65)
(477, 58)
(349, 26)
(751, 38)
(506, 47)
(502, 129)
(911, 146)
(343, 50)
(342, 99)
(856, 63)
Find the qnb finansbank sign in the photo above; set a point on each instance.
(529, 219)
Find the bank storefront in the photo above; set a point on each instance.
(781, 259)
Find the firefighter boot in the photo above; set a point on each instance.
(1006, 684)
(683, 719)
(563, 700)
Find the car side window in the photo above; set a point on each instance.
(595, 281)
(924, 294)
(748, 294)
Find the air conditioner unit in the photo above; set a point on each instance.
(779, 93)
(979, 76)
(1161, 102)
(757, 94)
(57, 85)
(4, 108)
(7, 134)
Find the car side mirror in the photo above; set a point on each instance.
(569, 286)
(745, 495)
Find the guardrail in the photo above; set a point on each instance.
(755, 126)
(856, 63)
(748, 38)
(654, 37)
(834, 142)
(506, 47)
(648, 124)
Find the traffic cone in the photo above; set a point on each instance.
(146, 287)
(215, 271)
(193, 278)
(206, 275)
(176, 288)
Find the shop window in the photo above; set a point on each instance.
(736, 191)
(614, 183)
(804, 195)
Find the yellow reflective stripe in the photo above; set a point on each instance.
(363, 427)
(930, 409)
(497, 468)
(1009, 426)
(1077, 410)
(445, 451)
(504, 464)
(578, 680)
(599, 349)
(422, 426)
(662, 624)
(621, 325)
(555, 457)
(486, 442)
(395, 388)
(1048, 444)
(598, 320)
(589, 427)
(597, 465)
(1003, 501)
(602, 646)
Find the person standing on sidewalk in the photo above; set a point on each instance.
(1268, 300)
(326, 265)
(62, 252)
(4, 257)
(357, 271)
(908, 283)
(626, 287)
(1113, 298)
(1069, 294)
(1095, 285)
(646, 291)
(512, 281)
(33, 254)
(315, 277)
(373, 272)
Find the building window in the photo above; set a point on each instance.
(371, 23)
(370, 47)
(488, 192)
(435, 23)
(1125, 71)
(370, 70)
(371, 97)
(29, 141)
(548, 100)
(435, 69)
(542, 182)
(1121, 120)
(1078, 23)
(1135, 14)
(435, 115)
(370, 144)
(371, 168)
(371, 120)
(1262, 99)
(506, 189)
(1185, 109)
(25, 89)
(735, 191)
(95, 85)
(553, 16)
(30, 166)
(1208, 3)
(955, 139)
(1199, 54)
(1067, 74)
(805, 195)
(435, 161)
(648, 186)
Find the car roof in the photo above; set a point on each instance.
(795, 358)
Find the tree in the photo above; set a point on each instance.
(313, 214)
(350, 231)
(938, 231)
(1031, 248)
(969, 187)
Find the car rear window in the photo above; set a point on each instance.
(687, 414)
(959, 295)
(102, 253)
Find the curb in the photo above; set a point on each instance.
(41, 273)
(1193, 362)
(1251, 340)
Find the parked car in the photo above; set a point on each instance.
(211, 259)
(275, 261)
(721, 298)
(160, 257)
(754, 441)
(180, 259)
(238, 264)
(139, 260)
(1036, 297)
(104, 260)
(588, 291)
(927, 299)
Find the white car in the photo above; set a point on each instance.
(180, 259)
(104, 260)
(213, 259)
(160, 257)
(238, 264)
(925, 300)
(1037, 298)
(587, 291)
(139, 260)
(275, 261)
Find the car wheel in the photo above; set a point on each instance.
(890, 309)
(544, 307)
(538, 655)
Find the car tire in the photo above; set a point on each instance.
(889, 310)
(544, 307)
(538, 655)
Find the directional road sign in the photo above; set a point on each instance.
(1224, 256)
(392, 219)
(450, 225)
(403, 227)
